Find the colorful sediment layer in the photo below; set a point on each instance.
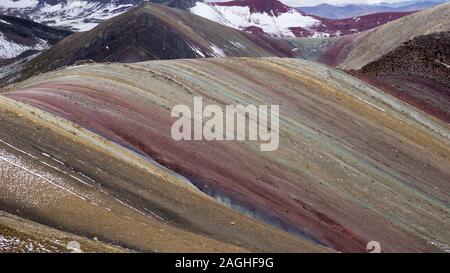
(56, 173)
(354, 164)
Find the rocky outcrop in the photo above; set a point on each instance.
(374, 44)
(426, 56)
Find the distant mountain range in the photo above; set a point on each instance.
(352, 10)
(271, 17)
(276, 19)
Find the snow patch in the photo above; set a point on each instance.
(79, 15)
(28, 178)
(73, 66)
(10, 49)
(444, 64)
(217, 52)
(320, 35)
(10, 243)
(197, 51)
(13, 68)
(237, 44)
(241, 18)
(444, 247)
(18, 3)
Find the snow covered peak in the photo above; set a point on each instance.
(273, 7)
(79, 15)
(7, 4)
(276, 19)
(267, 16)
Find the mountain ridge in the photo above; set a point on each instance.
(151, 32)
(353, 10)
(271, 17)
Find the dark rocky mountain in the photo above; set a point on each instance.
(366, 47)
(425, 56)
(418, 71)
(154, 32)
(22, 40)
(20, 35)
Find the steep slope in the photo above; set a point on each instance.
(356, 10)
(372, 45)
(19, 35)
(418, 72)
(93, 191)
(354, 164)
(149, 32)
